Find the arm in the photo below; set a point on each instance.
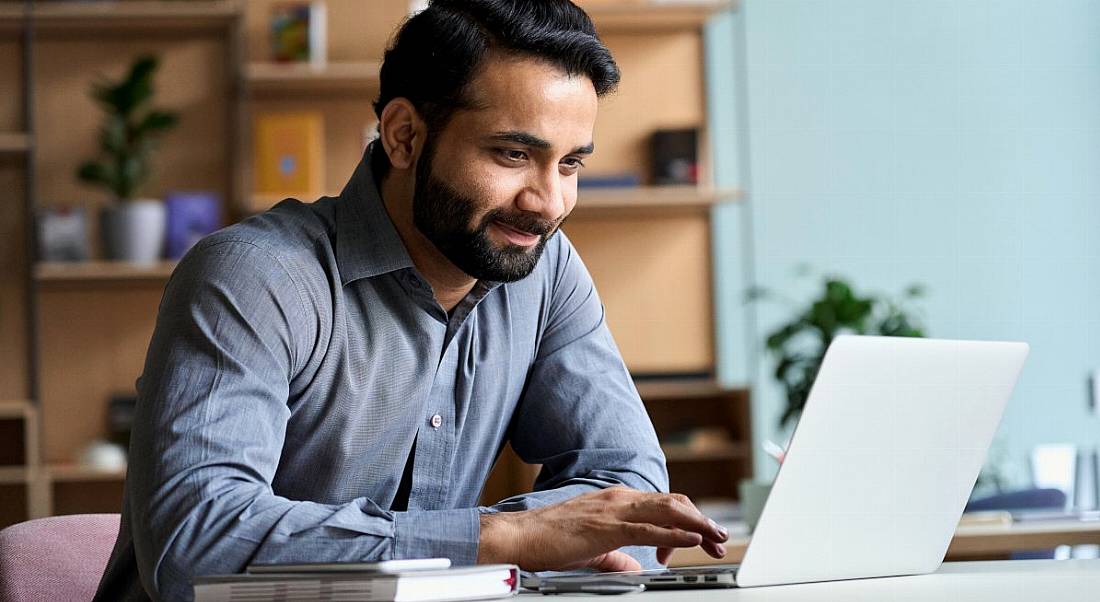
(582, 419)
(232, 331)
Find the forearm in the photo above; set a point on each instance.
(244, 525)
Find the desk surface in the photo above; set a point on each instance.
(984, 540)
(991, 581)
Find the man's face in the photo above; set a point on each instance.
(498, 181)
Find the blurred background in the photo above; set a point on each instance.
(771, 173)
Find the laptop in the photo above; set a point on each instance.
(878, 470)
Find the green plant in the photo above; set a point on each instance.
(129, 131)
(799, 345)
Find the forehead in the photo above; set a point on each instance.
(511, 93)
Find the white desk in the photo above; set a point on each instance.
(991, 581)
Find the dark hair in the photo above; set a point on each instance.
(438, 51)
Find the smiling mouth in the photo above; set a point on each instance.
(515, 236)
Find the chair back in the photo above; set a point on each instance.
(57, 558)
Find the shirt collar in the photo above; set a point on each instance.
(367, 244)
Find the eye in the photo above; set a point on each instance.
(572, 164)
(512, 155)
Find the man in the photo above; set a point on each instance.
(333, 382)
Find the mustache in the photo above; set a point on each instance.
(525, 222)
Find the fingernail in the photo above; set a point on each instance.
(721, 550)
(719, 528)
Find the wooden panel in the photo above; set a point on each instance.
(49, 273)
(191, 80)
(357, 30)
(654, 279)
(13, 504)
(11, 80)
(13, 306)
(93, 345)
(662, 87)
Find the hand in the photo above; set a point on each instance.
(587, 531)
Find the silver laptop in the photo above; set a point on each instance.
(879, 468)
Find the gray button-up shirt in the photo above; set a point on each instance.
(298, 360)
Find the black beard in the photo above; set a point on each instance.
(443, 214)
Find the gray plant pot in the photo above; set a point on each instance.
(134, 230)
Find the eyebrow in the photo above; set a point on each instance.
(534, 141)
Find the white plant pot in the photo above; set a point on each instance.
(134, 230)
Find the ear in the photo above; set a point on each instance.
(402, 133)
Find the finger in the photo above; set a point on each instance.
(645, 534)
(664, 509)
(714, 549)
(720, 533)
(615, 561)
(663, 555)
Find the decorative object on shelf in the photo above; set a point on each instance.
(674, 156)
(133, 229)
(299, 32)
(103, 456)
(800, 344)
(62, 234)
(191, 216)
(626, 179)
(288, 153)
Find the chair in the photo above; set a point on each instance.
(57, 558)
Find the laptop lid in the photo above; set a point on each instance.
(883, 459)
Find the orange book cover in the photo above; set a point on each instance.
(288, 156)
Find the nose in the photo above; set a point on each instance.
(544, 195)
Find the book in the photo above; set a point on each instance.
(299, 32)
(288, 153)
(439, 585)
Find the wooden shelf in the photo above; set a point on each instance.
(146, 15)
(679, 390)
(686, 453)
(641, 17)
(75, 473)
(292, 78)
(101, 271)
(15, 408)
(14, 143)
(15, 475)
(647, 199)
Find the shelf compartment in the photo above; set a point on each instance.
(641, 17)
(291, 78)
(143, 15)
(101, 271)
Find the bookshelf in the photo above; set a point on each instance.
(647, 247)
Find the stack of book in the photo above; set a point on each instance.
(390, 581)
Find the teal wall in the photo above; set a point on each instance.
(952, 143)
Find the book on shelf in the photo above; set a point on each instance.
(299, 32)
(463, 583)
(288, 153)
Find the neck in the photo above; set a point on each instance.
(449, 284)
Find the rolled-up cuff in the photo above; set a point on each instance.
(453, 534)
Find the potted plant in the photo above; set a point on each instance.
(799, 345)
(132, 227)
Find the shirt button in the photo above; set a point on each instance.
(436, 421)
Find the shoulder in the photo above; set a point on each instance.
(284, 248)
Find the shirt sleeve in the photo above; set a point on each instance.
(232, 330)
(580, 416)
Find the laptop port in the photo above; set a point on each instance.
(690, 579)
(711, 578)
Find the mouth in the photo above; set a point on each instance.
(515, 236)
